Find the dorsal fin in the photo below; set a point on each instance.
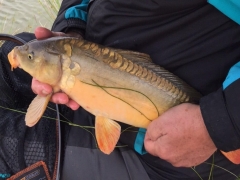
(140, 65)
(133, 55)
(158, 76)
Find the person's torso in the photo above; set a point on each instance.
(192, 39)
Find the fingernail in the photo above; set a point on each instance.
(62, 101)
(45, 92)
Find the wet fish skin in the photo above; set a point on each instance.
(112, 84)
(92, 59)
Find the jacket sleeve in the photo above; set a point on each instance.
(231, 8)
(71, 16)
(221, 112)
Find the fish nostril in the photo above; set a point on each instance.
(24, 47)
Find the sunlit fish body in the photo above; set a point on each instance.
(112, 84)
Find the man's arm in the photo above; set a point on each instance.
(174, 136)
(187, 135)
(180, 137)
(221, 112)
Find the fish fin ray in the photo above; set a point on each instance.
(36, 109)
(233, 156)
(193, 94)
(107, 133)
(169, 78)
(138, 56)
(143, 61)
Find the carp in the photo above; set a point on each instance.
(112, 84)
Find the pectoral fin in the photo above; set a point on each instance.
(36, 109)
(233, 156)
(107, 134)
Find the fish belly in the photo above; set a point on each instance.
(120, 104)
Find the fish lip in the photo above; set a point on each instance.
(13, 59)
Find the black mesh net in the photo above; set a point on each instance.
(21, 146)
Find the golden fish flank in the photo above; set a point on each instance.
(113, 84)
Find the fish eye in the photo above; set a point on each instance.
(30, 56)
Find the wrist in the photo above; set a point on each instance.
(75, 32)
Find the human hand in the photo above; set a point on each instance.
(180, 137)
(45, 89)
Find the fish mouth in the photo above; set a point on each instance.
(12, 58)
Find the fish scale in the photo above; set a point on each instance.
(107, 130)
(112, 84)
(115, 60)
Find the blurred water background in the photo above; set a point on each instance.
(25, 15)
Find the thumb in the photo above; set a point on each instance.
(153, 135)
(151, 138)
(42, 33)
(149, 145)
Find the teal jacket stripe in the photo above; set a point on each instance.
(4, 176)
(230, 8)
(139, 141)
(233, 75)
(79, 11)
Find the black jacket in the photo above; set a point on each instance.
(191, 39)
(194, 40)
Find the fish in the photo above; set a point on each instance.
(115, 85)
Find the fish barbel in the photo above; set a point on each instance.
(112, 84)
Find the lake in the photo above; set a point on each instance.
(25, 15)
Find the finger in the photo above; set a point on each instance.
(43, 33)
(73, 105)
(153, 137)
(154, 130)
(157, 148)
(59, 34)
(40, 88)
(150, 146)
(60, 98)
